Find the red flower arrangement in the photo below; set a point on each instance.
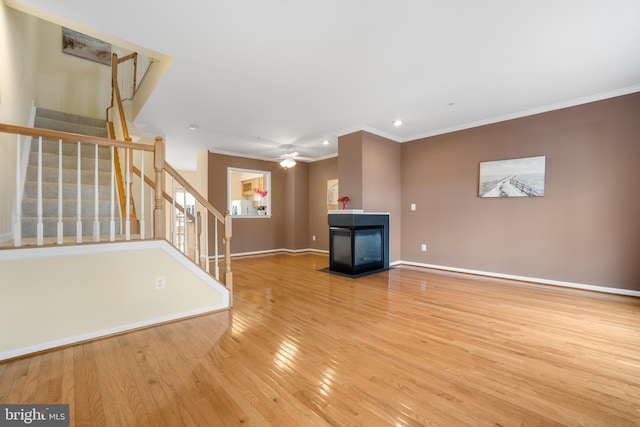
(262, 193)
(344, 200)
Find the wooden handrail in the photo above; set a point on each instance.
(115, 90)
(200, 198)
(123, 120)
(166, 196)
(133, 55)
(72, 137)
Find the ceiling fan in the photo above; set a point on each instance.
(288, 159)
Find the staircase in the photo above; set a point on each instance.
(54, 120)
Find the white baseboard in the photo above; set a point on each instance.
(582, 286)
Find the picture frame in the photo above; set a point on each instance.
(332, 194)
(523, 177)
(86, 47)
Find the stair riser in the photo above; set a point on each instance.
(50, 228)
(68, 162)
(69, 176)
(71, 149)
(69, 191)
(69, 208)
(61, 126)
(69, 118)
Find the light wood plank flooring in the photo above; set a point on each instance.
(401, 348)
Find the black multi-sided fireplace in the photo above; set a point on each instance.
(358, 242)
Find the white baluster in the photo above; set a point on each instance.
(206, 239)
(217, 268)
(185, 228)
(127, 220)
(60, 227)
(96, 200)
(142, 184)
(112, 222)
(79, 196)
(40, 226)
(196, 238)
(173, 211)
(17, 227)
(152, 203)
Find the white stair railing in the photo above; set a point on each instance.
(112, 204)
(40, 226)
(17, 226)
(60, 225)
(192, 235)
(96, 198)
(79, 196)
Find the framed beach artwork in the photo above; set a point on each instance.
(513, 178)
(83, 46)
(332, 194)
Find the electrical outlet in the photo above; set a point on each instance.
(313, 238)
(413, 206)
(424, 247)
(161, 282)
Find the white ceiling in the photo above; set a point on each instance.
(258, 75)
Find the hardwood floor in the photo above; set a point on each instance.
(404, 347)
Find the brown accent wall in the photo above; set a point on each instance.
(350, 168)
(296, 207)
(381, 184)
(586, 228)
(319, 173)
(369, 173)
(249, 234)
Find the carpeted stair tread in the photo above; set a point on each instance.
(50, 226)
(68, 162)
(55, 120)
(52, 124)
(51, 146)
(69, 176)
(69, 207)
(46, 113)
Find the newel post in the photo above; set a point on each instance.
(228, 275)
(159, 219)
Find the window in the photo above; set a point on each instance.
(248, 192)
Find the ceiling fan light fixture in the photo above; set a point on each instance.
(288, 162)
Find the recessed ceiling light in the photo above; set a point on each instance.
(193, 127)
(325, 142)
(397, 122)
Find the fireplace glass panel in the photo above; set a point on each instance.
(368, 246)
(342, 247)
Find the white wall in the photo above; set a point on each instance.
(55, 296)
(18, 89)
